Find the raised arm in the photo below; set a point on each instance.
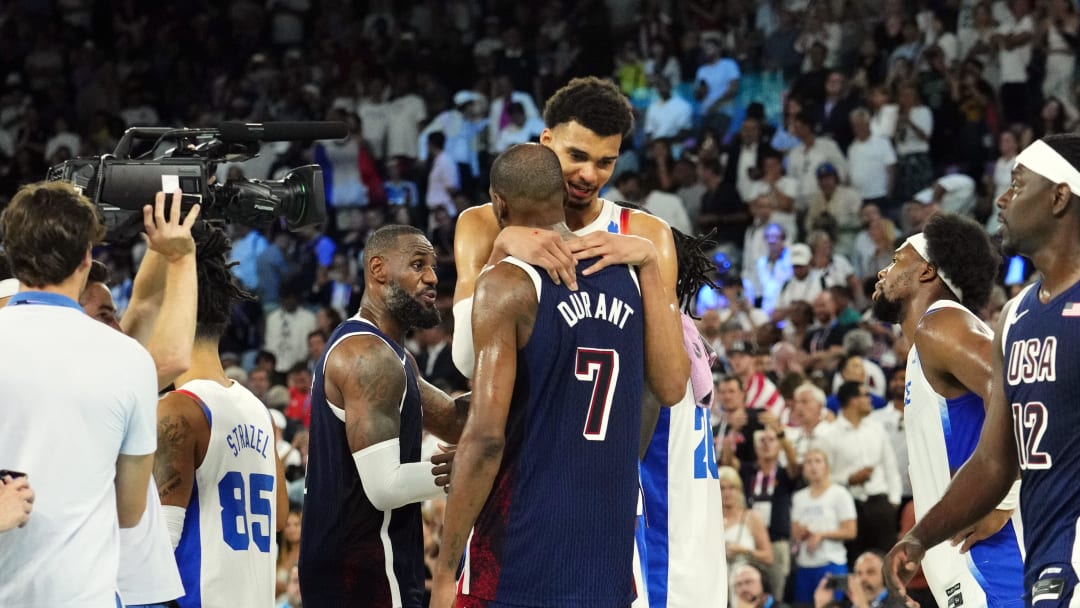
(474, 238)
(161, 314)
(503, 313)
(976, 489)
(366, 376)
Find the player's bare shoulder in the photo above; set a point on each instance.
(476, 221)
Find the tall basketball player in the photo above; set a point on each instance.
(935, 282)
(219, 478)
(559, 380)
(1031, 422)
(362, 538)
(586, 122)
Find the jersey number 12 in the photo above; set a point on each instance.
(601, 367)
(237, 520)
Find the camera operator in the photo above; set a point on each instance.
(864, 587)
(58, 396)
(162, 311)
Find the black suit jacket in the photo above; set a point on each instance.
(837, 123)
(734, 151)
(443, 369)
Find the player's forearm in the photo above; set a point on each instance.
(475, 467)
(667, 367)
(172, 324)
(976, 490)
(445, 417)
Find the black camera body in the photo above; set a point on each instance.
(120, 184)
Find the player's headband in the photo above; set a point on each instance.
(1040, 158)
(8, 287)
(918, 243)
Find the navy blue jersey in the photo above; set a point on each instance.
(1042, 385)
(347, 545)
(558, 526)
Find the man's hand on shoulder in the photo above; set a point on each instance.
(544, 248)
(613, 249)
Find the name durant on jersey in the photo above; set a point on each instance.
(608, 308)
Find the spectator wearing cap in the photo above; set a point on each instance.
(805, 283)
(462, 125)
(810, 153)
(839, 202)
(918, 210)
(717, 86)
(761, 393)
(871, 160)
(668, 116)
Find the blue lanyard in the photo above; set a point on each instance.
(43, 298)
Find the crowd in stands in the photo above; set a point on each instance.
(807, 138)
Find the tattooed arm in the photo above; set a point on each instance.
(183, 434)
(367, 378)
(444, 416)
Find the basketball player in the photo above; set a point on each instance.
(586, 122)
(559, 379)
(219, 478)
(1031, 422)
(362, 538)
(936, 279)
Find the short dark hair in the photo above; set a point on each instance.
(99, 273)
(594, 103)
(848, 391)
(733, 378)
(299, 366)
(384, 239)
(218, 287)
(528, 173)
(1068, 146)
(265, 355)
(961, 250)
(712, 165)
(47, 229)
(437, 139)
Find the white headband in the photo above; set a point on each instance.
(918, 243)
(1042, 159)
(9, 287)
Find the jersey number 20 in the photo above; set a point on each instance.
(235, 516)
(601, 367)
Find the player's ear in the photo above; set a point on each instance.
(377, 269)
(1063, 195)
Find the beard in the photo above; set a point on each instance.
(410, 311)
(887, 310)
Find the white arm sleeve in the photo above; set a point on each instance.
(174, 521)
(390, 484)
(462, 350)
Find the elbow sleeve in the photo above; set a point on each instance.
(387, 482)
(462, 350)
(174, 522)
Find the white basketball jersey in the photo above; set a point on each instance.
(228, 547)
(928, 420)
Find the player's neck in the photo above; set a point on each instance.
(578, 218)
(205, 364)
(916, 308)
(1057, 262)
(377, 314)
(71, 287)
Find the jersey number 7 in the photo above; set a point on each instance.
(601, 367)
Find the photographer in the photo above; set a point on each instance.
(59, 396)
(863, 588)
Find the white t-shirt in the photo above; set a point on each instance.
(669, 208)
(74, 395)
(822, 514)
(717, 77)
(868, 161)
(667, 118)
(1014, 62)
(910, 143)
(405, 113)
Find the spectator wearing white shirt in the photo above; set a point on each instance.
(835, 269)
(520, 130)
(778, 189)
(840, 203)
(864, 462)
(811, 152)
(1013, 42)
(823, 516)
(954, 193)
(717, 86)
(871, 160)
(914, 126)
(891, 419)
(406, 110)
(444, 179)
(669, 116)
(499, 116)
(287, 330)
(809, 418)
(804, 285)
(665, 206)
(770, 271)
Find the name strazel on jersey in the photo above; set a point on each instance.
(1032, 360)
(248, 436)
(580, 305)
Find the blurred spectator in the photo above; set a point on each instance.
(811, 152)
(833, 115)
(723, 209)
(434, 360)
(914, 127)
(770, 271)
(736, 424)
(998, 178)
(248, 245)
(299, 408)
(717, 84)
(1013, 41)
(840, 203)
(874, 244)
(745, 156)
(760, 392)
(862, 460)
(822, 518)
(808, 419)
(891, 419)
(287, 329)
(444, 178)
(746, 536)
(805, 283)
(288, 552)
(668, 116)
(779, 190)
(292, 597)
(519, 130)
(872, 161)
(769, 488)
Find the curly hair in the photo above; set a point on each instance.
(696, 268)
(219, 288)
(594, 103)
(962, 250)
